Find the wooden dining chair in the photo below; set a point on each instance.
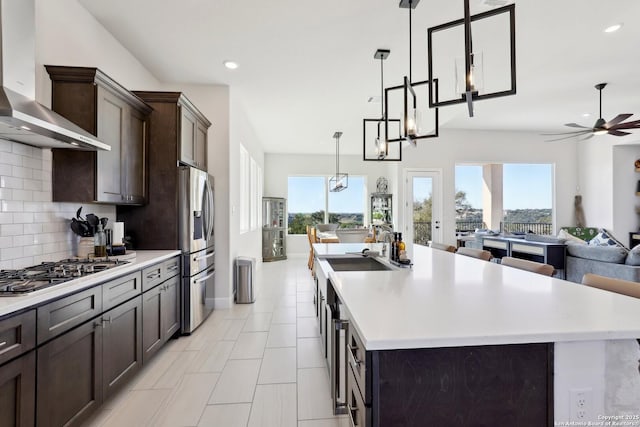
(624, 287)
(532, 266)
(311, 237)
(443, 247)
(475, 253)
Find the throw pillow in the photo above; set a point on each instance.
(605, 238)
(633, 258)
(570, 238)
(613, 254)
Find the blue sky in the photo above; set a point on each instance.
(306, 195)
(526, 186)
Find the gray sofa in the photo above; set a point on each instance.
(609, 261)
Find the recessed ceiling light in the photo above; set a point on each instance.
(230, 65)
(586, 115)
(613, 28)
(75, 143)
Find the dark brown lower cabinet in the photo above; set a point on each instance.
(69, 383)
(121, 344)
(18, 391)
(492, 385)
(161, 316)
(171, 307)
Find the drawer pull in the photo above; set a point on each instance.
(97, 325)
(353, 359)
(153, 276)
(3, 343)
(352, 413)
(173, 268)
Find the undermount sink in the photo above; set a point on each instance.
(356, 264)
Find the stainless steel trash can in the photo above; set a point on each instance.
(243, 284)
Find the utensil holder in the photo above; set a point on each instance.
(85, 247)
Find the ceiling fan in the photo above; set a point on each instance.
(612, 127)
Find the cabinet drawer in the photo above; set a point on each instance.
(488, 243)
(359, 413)
(121, 289)
(357, 360)
(61, 315)
(17, 335)
(527, 249)
(152, 276)
(171, 267)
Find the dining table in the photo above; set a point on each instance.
(327, 237)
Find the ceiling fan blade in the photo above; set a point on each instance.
(565, 138)
(617, 119)
(586, 137)
(627, 125)
(618, 132)
(578, 132)
(575, 125)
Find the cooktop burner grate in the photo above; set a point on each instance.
(29, 279)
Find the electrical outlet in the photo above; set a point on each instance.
(581, 400)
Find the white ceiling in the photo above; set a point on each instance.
(307, 67)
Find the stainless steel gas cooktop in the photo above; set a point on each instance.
(29, 279)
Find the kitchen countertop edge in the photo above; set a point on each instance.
(10, 305)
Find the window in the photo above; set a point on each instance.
(347, 207)
(510, 197)
(309, 200)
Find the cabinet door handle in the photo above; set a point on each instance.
(106, 320)
(352, 412)
(353, 359)
(97, 325)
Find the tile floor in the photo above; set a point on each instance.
(253, 365)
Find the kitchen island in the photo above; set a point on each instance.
(458, 341)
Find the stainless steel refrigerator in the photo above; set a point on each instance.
(196, 219)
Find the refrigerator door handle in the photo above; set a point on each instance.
(210, 212)
(201, 257)
(208, 276)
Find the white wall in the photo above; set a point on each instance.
(66, 34)
(278, 168)
(247, 244)
(625, 201)
(33, 228)
(607, 181)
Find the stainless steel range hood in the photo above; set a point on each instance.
(22, 119)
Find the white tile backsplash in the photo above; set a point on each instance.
(33, 228)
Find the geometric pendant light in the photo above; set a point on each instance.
(375, 145)
(469, 70)
(413, 126)
(340, 181)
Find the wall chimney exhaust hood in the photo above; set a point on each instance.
(22, 119)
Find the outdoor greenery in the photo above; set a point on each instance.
(298, 221)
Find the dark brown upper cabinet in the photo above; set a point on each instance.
(188, 135)
(98, 104)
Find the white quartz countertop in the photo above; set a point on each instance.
(10, 304)
(449, 300)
